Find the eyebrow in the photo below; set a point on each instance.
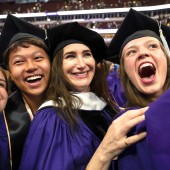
(2, 80)
(33, 53)
(72, 52)
(146, 42)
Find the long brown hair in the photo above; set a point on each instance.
(133, 95)
(6, 76)
(60, 89)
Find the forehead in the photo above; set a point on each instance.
(75, 47)
(28, 48)
(140, 41)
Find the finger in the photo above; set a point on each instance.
(135, 138)
(124, 123)
(131, 114)
(131, 123)
(125, 127)
(135, 113)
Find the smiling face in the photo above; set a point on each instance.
(146, 65)
(78, 66)
(30, 70)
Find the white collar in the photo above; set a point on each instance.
(48, 103)
(89, 102)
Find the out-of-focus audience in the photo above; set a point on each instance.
(64, 5)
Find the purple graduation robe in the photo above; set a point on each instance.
(50, 145)
(4, 147)
(152, 153)
(115, 88)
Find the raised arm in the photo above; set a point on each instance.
(116, 140)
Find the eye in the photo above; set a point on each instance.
(69, 56)
(88, 54)
(18, 62)
(130, 53)
(3, 85)
(39, 58)
(153, 45)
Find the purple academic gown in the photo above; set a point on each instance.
(4, 147)
(152, 153)
(51, 146)
(115, 88)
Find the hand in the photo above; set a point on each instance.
(116, 140)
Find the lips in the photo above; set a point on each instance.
(147, 72)
(33, 79)
(81, 74)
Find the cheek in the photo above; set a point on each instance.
(129, 66)
(68, 66)
(161, 62)
(4, 94)
(164, 67)
(91, 63)
(47, 67)
(15, 73)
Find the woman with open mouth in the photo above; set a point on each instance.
(145, 75)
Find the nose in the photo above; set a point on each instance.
(143, 53)
(30, 66)
(80, 63)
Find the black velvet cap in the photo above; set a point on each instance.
(15, 29)
(135, 25)
(73, 32)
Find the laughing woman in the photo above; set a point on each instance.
(68, 129)
(26, 58)
(145, 76)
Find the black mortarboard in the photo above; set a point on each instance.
(135, 25)
(68, 33)
(15, 29)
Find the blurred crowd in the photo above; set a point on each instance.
(68, 5)
(63, 5)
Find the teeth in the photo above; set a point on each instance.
(33, 78)
(145, 65)
(81, 73)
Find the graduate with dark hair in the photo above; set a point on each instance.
(74, 129)
(26, 58)
(141, 45)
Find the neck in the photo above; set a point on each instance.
(34, 102)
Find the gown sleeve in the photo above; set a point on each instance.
(50, 145)
(4, 147)
(152, 153)
(115, 88)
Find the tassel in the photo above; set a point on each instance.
(46, 37)
(163, 39)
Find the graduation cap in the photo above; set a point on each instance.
(15, 29)
(73, 32)
(136, 25)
